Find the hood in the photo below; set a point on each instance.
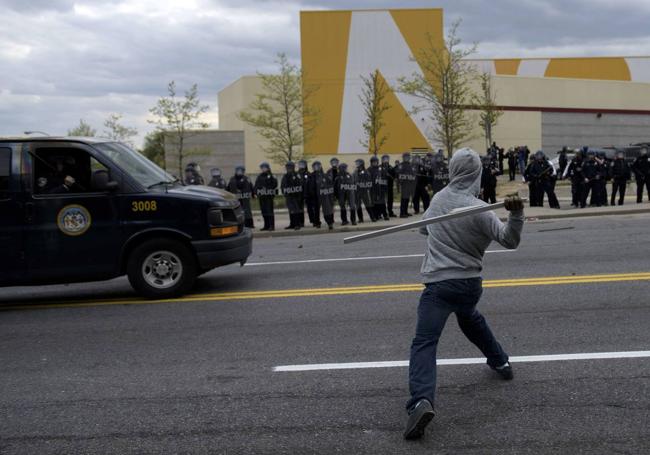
(213, 194)
(465, 172)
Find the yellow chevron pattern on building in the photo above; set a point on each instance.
(338, 47)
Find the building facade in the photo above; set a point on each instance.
(547, 102)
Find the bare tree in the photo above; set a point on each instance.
(178, 119)
(490, 113)
(82, 130)
(445, 89)
(118, 132)
(281, 112)
(373, 98)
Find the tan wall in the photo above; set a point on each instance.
(514, 127)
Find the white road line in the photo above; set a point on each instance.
(468, 361)
(364, 258)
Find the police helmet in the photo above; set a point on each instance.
(265, 166)
(240, 169)
(316, 165)
(539, 155)
(406, 157)
(374, 160)
(359, 162)
(302, 164)
(385, 159)
(343, 167)
(290, 165)
(334, 161)
(620, 154)
(215, 172)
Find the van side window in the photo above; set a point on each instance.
(67, 171)
(5, 170)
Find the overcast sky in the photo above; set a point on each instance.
(63, 60)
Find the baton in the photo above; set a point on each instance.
(456, 213)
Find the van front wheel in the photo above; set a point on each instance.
(161, 268)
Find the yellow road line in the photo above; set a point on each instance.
(349, 290)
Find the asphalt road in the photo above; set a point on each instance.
(90, 368)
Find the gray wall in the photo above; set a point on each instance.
(210, 148)
(576, 129)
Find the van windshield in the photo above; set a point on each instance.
(135, 164)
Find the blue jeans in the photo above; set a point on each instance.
(437, 302)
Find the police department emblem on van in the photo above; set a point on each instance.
(73, 220)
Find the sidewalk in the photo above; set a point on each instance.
(563, 191)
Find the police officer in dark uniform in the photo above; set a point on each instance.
(593, 173)
(575, 172)
(390, 179)
(364, 187)
(379, 188)
(325, 190)
(347, 188)
(421, 181)
(512, 163)
(192, 176)
(620, 173)
(332, 173)
(303, 173)
(291, 187)
(489, 180)
(241, 186)
(266, 187)
(313, 193)
(217, 181)
(641, 168)
(311, 196)
(406, 175)
(440, 178)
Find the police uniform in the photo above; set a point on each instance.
(292, 190)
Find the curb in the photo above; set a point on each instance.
(368, 227)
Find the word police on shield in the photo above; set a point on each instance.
(457, 213)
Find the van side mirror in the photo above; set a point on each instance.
(112, 186)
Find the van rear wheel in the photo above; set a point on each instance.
(162, 268)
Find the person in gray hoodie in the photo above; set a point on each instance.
(451, 272)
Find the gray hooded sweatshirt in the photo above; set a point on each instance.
(455, 248)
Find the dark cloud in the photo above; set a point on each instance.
(85, 59)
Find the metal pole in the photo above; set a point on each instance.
(457, 213)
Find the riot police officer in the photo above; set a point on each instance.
(364, 187)
(325, 190)
(641, 168)
(241, 186)
(291, 187)
(303, 173)
(347, 187)
(390, 180)
(422, 178)
(266, 187)
(379, 188)
(311, 194)
(575, 172)
(217, 181)
(563, 160)
(593, 172)
(407, 180)
(620, 173)
(440, 178)
(489, 180)
(192, 175)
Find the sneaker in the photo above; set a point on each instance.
(419, 418)
(505, 371)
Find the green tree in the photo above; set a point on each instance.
(373, 99)
(485, 102)
(445, 89)
(154, 147)
(178, 119)
(118, 132)
(281, 112)
(82, 130)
